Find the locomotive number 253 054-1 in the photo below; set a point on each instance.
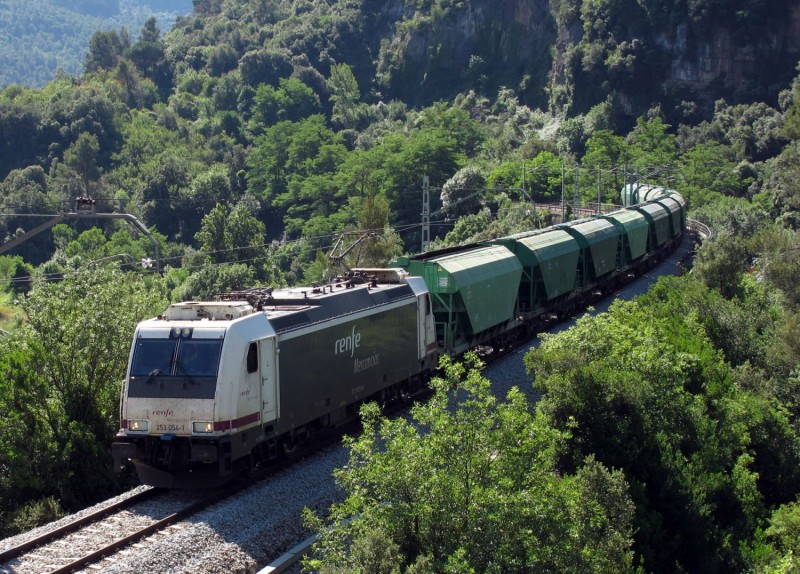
(170, 428)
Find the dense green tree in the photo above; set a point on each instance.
(105, 49)
(345, 96)
(82, 157)
(776, 547)
(455, 121)
(461, 194)
(59, 394)
(209, 280)
(265, 67)
(647, 393)
(427, 151)
(542, 176)
(781, 191)
(19, 117)
(652, 144)
(83, 108)
(469, 485)
(292, 100)
(287, 154)
(230, 235)
(605, 149)
(159, 190)
(148, 54)
(709, 169)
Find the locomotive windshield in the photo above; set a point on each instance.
(180, 368)
(153, 357)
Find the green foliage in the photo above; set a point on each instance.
(292, 101)
(345, 96)
(461, 193)
(206, 282)
(651, 143)
(230, 234)
(60, 388)
(21, 277)
(776, 549)
(470, 485)
(32, 515)
(646, 392)
(781, 193)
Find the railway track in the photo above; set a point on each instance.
(124, 527)
(100, 534)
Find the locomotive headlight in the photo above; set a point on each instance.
(138, 425)
(202, 427)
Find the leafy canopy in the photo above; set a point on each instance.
(468, 483)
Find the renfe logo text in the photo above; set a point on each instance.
(349, 343)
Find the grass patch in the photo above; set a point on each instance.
(11, 315)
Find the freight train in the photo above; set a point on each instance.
(216, 387)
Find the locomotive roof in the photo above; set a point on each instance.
(293, 308)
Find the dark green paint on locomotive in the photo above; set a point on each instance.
(324, 369)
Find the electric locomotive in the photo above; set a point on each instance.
(217, 386)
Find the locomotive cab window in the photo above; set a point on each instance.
(198, 358)
(153, 357)
(252, 358)
(177, 368)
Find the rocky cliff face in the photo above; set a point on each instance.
(571, 57)
(739, 65)
(473, 44)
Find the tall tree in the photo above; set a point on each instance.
(82, 157)
(469, 485)
(61, 384)
(106, 49)
(345, 95)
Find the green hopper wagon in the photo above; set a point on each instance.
(473, 290)
(658, 218)
(549, 266)
(676, 214)
(633, 229)
(598, 240)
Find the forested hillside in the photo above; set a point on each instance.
(254, 133)
(39, 38)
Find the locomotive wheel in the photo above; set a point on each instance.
(289, 448)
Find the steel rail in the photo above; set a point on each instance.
(13, 552)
